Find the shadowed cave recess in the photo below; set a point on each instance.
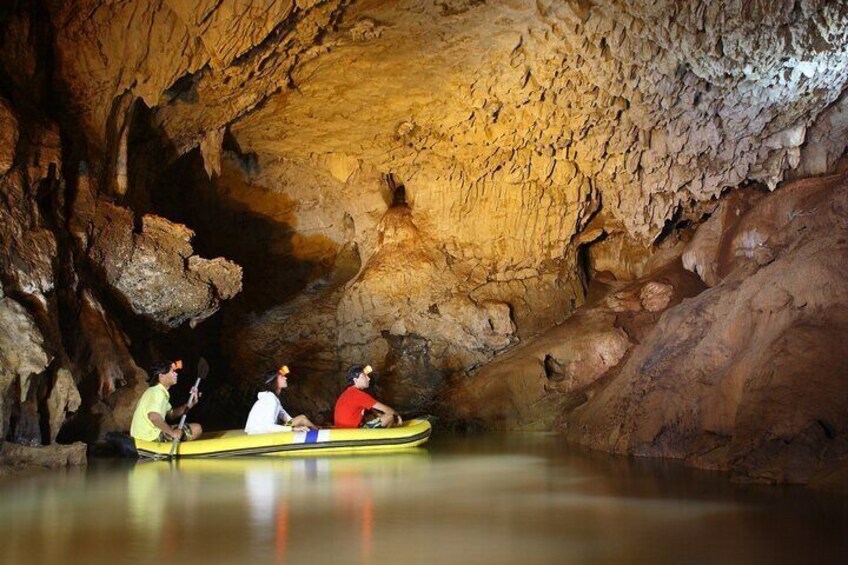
(621, 221)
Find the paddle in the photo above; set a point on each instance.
(202, 371)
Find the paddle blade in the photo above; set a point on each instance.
(202, 368)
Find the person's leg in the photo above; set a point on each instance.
(387, 420)
(302, 420)
(194, 432)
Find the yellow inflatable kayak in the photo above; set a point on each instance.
(235, 442)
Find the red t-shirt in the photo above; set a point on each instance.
(351, 406)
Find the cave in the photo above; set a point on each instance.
(624, 224)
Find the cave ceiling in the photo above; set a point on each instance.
(480, 107)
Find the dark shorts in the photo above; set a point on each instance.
(373, 424)
(186, 435)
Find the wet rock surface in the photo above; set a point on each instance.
(408, 291)
(46, 456)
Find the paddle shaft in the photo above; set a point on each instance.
(183, 419)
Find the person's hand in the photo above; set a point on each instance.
(193, 397)
(399, 419)
(300, 428)
(176, 433)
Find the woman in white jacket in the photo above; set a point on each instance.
(268, 416)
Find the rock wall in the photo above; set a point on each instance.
(172, 55)
(61, 247)
(748, 375)
(535, 384)
(515, 123)
(22, 355)
(28, 251)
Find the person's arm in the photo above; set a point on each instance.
(180, 410)
(283, 416)
(285, 419)
(157, 420)
(385, 409)
(301, 424)
(294, 425)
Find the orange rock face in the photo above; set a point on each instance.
(536, 384)
(748, 375)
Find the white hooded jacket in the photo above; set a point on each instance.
(267, 411)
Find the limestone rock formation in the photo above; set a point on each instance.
(107, 348)
(230, 55)
(47, 288)
(541, 111)
(702, 253)
(749, 375)
(27, 247)
(649, 107)
(487, 201)
(63, 398)
(655, 296)
(155, 270)
(22, 355)
(27, 251)
(528, 387)
(8, 136)
(44, 456)
(535, 384)
(406, 313)
(824, 149)
(408, 291)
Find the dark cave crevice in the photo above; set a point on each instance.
(227, 227)
(178, 188)
(554, 371)
(397, 191)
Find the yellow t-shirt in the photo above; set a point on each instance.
(155, 399)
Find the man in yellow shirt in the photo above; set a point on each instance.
(149, 421)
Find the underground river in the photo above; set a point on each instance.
(516, 498)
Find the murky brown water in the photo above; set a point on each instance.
(495, 499)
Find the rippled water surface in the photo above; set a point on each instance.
(470, 499)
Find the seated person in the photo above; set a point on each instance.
(354, 401)
(150, 420)
(267, 412)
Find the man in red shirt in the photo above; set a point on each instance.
(354, 401)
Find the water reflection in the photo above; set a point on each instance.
(271, 486)
(499, 499)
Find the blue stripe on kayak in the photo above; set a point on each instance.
(311, 436)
